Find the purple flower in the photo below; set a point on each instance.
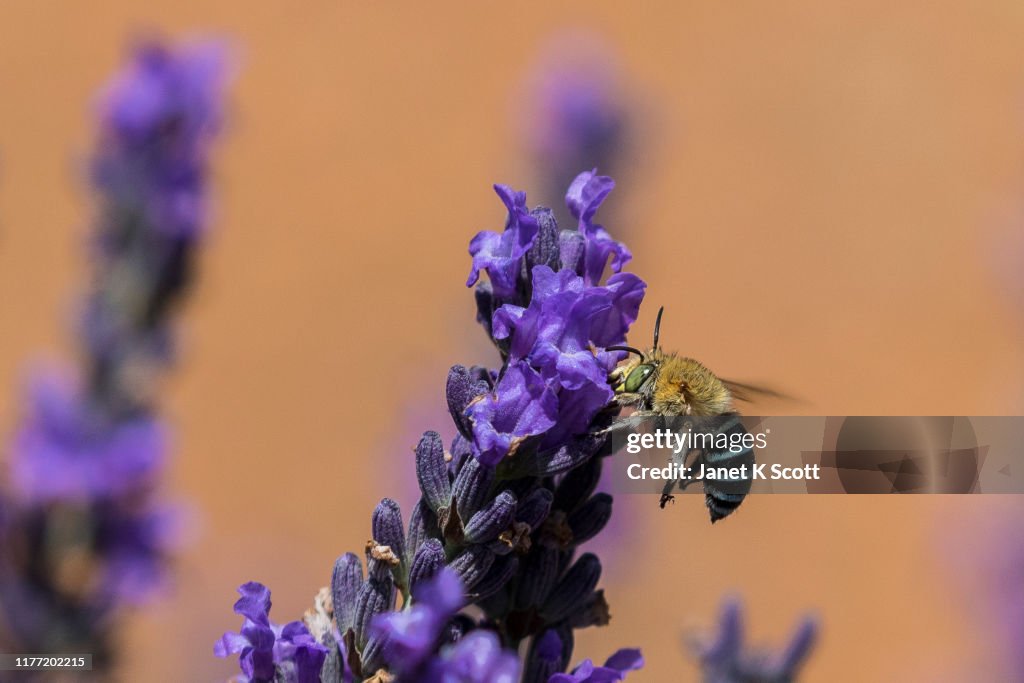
(503, 509)
(562, 333)
(578, 117)
(256, 640)
(412, 634)
(998, 566)
(158, 116)
(134, 544)
(614, 669)
(567, 324)
(581, 123)
(476, 658)
(267, 650)
(411, 638)
(87, 456)
(67, 450)
(501, 254)
(521, 405)
(725, 659)
(547, 657)
(162, 88)
(584, 197)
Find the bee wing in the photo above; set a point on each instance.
(750, 392)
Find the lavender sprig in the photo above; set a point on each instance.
(726, 659)
(505, 507)
(83, 533)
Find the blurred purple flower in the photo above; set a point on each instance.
(85, 535)
(412, 634)
(134, 541)
(476, 658)
(577, 117)
(980, 547)
(726, 660)
(158, 116)
(580, 119)
(64, 450)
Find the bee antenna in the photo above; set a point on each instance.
(657, 327)
(630, 349)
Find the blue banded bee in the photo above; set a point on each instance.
(687, 394)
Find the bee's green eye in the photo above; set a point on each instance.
(637, 377)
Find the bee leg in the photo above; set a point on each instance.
(632, 421)
(666, 495)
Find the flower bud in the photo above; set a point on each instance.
(345, 584)
(493, 519)
(432, 471)
(574, 589)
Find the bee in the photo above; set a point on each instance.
(665, 385)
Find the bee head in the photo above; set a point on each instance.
(631, 377)
(636, 376)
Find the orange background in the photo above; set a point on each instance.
(827, 198)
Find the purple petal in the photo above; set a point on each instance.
(229, 644)
(599, 247)
(609, 327)
(443, 593)
(626, 659)
(585, 195)
(799, 647)
(254, 604)
(501, 255)
(521, 405)
(729, 641)
(62, 451)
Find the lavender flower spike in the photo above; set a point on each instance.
(725, 660)
(84, 534)
(503, 509)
